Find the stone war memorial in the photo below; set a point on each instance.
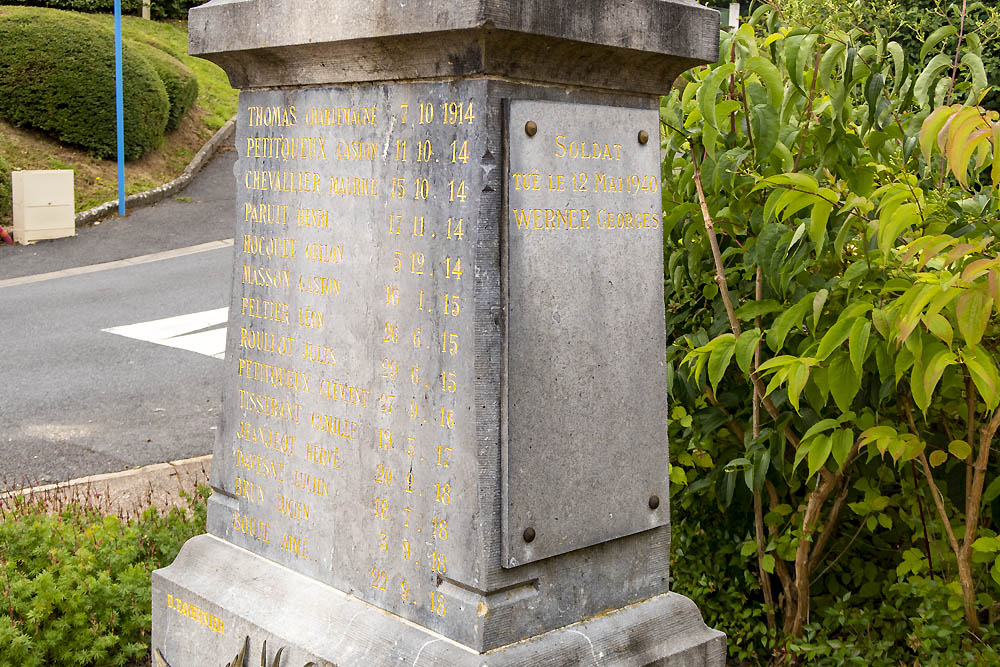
(443, 438)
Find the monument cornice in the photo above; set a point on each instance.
(266, 43)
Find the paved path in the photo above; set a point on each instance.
(170, 224)
(115, 366)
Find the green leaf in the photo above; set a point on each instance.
(818, 302)
(770, 77)
(746, 344)
(719, 360)
(935, 38)
(984, 374)
(939, 325)
(940, 359)
(937, 457)
(960, 449)
(709, 91)
(860, 331)
(767, 563)
(819, 452)
(837, 334)
(992, 491)
(819, 218)
(783, 324)
(764, 126)
(754, 309)
(978, 73)
(819, 427)
(921, 89)
(973, 312)
(798, 374)
(932, 127)
(844, 382)
(842, 442)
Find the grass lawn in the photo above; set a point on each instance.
(96, 180)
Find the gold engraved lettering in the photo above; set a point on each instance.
(344, 186)
(311, 319)
(263, 276)
(282, 181)
(311, 483)
(334, 426)
(587, 150)
(295, 546)
(292, 508)
(527, 182)
(271, 116)
(269, 406)
(317, 218)
(627, 220)
(248, 525)
(547, 218)
(342, 116)
(323, 456)
(338, 391)
(249, 490)
(260, 465)
(197, 615)
(269, 246)
(320, 285)
(357, 150)
(295, 148)
(276, 376)
(319, 354)
(265, 310)
(267, 214)
(279, 442)
(325, 253)
(263, 341)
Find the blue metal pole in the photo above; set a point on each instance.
(119, 105)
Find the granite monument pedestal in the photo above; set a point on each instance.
(443, 437)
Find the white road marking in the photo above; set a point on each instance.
(179, 332)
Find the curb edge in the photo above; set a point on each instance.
(157, 194)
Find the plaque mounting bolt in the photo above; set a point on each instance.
(530, 128)
(529, 534)
(654, 502)
(643, 137)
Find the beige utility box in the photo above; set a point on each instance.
(43, 204)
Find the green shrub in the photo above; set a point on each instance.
(5, 201)
(159, 9)
(57, 75)
(808, 203)
(75, 585)
(179, 81)
(91, 6)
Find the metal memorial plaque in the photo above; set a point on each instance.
(585, 446)
(346, 450)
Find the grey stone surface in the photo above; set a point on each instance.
(586, 450)
(274, 42)
(220, 594)
(354, 326)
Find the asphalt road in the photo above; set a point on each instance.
(77, 400)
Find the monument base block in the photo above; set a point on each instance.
(215, 595)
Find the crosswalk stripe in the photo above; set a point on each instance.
(183, 332)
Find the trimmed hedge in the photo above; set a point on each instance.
(180, 82)
(57, 74)
(160, 9)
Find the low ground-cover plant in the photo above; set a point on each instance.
(74, 583)
(831, 276)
